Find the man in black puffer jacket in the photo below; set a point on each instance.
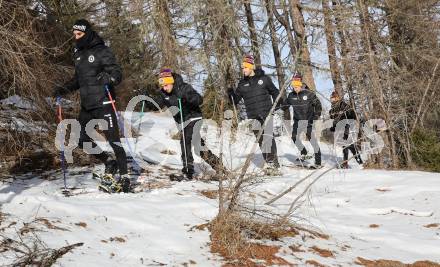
(306, 109)
(258, 92)
(173, 89)
(96, 67)
(342, 111)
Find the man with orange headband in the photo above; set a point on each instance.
(306, 109)
(174, 92)
(258, 92)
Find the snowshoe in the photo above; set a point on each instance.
(179, 178)
(303, 158)
(344, 165)
(272, 169)
(315, 166)
(109, 184)
(66, 192)
(110, 189)
(97, 176)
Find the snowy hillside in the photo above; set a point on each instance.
(368, 214)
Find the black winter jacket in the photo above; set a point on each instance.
(341, 111)
(94, 59)
(258, 93)
(190, 98)
(306, 105)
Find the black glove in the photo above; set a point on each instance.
(58, 91)
(232, 96)
(170, 100)
(333, 128)
(105, 78)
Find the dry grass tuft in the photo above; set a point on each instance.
(230, 237)
(392, 263)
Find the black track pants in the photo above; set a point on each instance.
(111, 134)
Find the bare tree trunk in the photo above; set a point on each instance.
(253, 33)
(301, 38)
(222, 44)
(344, 51)
(283, 19)
(163, 20)
(224, 54)
(329, 34)
(276, 50)
(375, 79)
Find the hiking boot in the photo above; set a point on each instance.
(189, 176)
(124, 182)
(109, 184)
(111, 167)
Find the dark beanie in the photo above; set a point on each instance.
(82, 25)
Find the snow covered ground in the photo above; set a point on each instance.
(373, 214)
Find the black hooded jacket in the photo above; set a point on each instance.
(190, 98)
(92, 58)
(258, 93)
(342, 111)
(306, 105)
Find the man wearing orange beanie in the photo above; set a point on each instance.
(174, 90)
(258, 92)
(306, 109)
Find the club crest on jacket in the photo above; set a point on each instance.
(260, 82)
(91, 58)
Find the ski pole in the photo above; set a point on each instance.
(118, 120)
(63, 159)
(139, 125)
(183, 134)
(113, 103)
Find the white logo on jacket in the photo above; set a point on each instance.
(91, 58)
(260, 82)
(305, 97)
